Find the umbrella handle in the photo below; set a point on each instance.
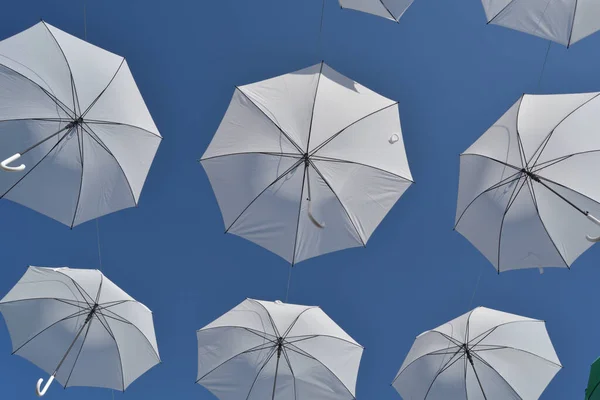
(41, 392)
(4, 164)
(318, 224)
(595, 220)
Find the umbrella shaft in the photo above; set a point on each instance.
(562, 197)
(71, 346)
(46, 139)
(276, 370)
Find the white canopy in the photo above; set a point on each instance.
(73, 114)
(307, 163)
(80, 327)
(482, 355)
(389, 9)
(562, 21)
(269, 350)
(529, 186)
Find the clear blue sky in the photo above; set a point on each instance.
(453, 76)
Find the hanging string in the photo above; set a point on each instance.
(544, 65)
(319, 44)
(476, 287)
(85, 20)
(287, 292)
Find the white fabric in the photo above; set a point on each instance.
(562, 21)
(48, 308)
(357, 171)
(512, 358)
(238, 354)
(390, 9)
(48, 79)
(520, 222)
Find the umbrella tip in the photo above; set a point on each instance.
(278, 302)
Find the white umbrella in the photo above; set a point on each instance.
(81, 328)
(307, 163)
(73, 114)
(528, 187)
(482, 355)
(269, 350)
(564, 21)
(389, 9)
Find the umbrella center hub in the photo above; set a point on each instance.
(530, 174)
(91, 313)
(306, 158)
(279, 346)
(76, 122)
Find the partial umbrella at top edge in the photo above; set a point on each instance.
(565, 22)
(72, 116)
(528, 192)
(388, 9)
(307, 163)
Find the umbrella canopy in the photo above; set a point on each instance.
(592, 392)
(79, 327)
(389, 9)
(484, 354)
(73, 114)
(269, 350)
(307, 163)
(564, 22)
(528, 188)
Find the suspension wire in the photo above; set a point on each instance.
(85, 19)
(544, 66)
(287, 292)
(319, 40)
(476, 287)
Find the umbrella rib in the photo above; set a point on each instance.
(273, 122)
(501, 11)
(264, 153)
(36, 119)
(78, 353)
(312, 114)
(124, 321)
(592, 391)
(493, 159)
(309, 356)
(80, 145)
(99, 288)
(257, 333)
(572, 24)
(549, 136)
(83, 114)
(97, 139)
(75, 315)
(287, 360)
(491, 330)
(340, 201)
(101, 122)
(304, 178)
(562, 197)
(497, 373)
(318, 336)
(443, 369)
(55, 99)
(295, 165)
(35, 166)
(68, 302)
(511, 201)
(112, 335)
(270, 318)
(319, 147)
(337, 160)
(80, 289)
(521, 351)
(272, 352)
(388, 10)
(73, 88)
(287, 332)
(532, 192)
(260, 347)
(478, 380)
(506, 181)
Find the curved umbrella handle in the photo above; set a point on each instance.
(593, 239)
(41, 392)
(4, 164)
(318, 224)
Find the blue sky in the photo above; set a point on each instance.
(453, 76)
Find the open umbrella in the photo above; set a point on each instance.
(270, 350)
(74, 116)
(481, 355)
(81, 328)
(592, 392)
(564, 21)
(307, 163)
(528, 188)
(389, 9)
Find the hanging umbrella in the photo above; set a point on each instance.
(592, 392)
(271, 350)
(484, 354)
(307, 163)
(72, 113)
(528, 188)
(390, 9)
(81, 328)
(564, 22)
